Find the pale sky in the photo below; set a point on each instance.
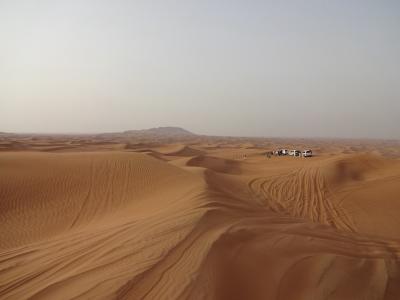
(246, 68)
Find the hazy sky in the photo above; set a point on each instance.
(259, 68)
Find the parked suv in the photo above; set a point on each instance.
(306, 153)
(297, 153)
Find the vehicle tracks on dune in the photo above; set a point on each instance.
(302, 193)
(168, 233)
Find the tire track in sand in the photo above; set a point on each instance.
(302, 193)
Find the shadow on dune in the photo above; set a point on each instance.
(216, 164)
(128, 226)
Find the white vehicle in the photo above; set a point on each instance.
(285, 152)
(306, 153)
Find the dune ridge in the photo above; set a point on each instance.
(198, 224)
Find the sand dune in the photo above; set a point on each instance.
(353, 168)
(178, 150)
(198, 224)
(216, 164)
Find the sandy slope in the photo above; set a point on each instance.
(198, 222)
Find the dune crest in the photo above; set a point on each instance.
(353, 168)
(196, 222)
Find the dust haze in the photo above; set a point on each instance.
(314, 69)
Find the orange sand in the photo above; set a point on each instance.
(110, 218)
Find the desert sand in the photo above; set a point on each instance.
(155, 215)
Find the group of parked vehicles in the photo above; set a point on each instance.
(295, 153)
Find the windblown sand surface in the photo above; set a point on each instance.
(104, 219)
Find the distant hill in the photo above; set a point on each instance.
(160, 131)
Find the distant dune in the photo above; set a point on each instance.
(162, 131)
(100, 217)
